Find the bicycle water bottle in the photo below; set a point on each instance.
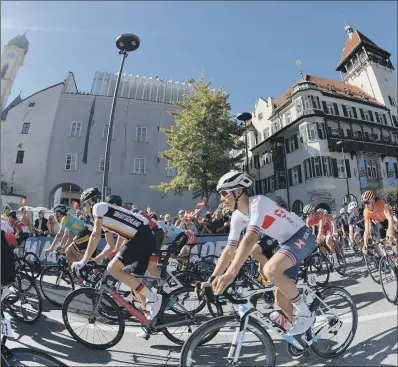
(281, 320)
(242, 310)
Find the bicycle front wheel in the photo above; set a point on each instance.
(98, 331)
(336, 322)
(389, 279)
(34, 262)
(257, 346)
(31, 357)
(341, 260)
(372, 263)
(317, 264)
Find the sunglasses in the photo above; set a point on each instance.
(224, 193)
(366, 202)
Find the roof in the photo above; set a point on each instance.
(4, 113)
(357, 40)
(20, 42)
(324, 85)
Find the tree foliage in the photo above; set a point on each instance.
(200, 141)
(389, 195)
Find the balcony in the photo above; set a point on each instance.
(382, 146)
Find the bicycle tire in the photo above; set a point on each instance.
(314, 265)
(21, 296)
(385, 261)
(23, 355)
(61, 272)
(35, 263)
(24, 266)
(314, 306)
(92, 293)
(190, 322)
(213, 326)
(341, 269)
(371, 262)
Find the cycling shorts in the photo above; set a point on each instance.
(80, 243)
(269, 247)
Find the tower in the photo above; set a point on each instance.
(11, 60)
(367, 66)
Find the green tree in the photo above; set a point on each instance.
(200, 142)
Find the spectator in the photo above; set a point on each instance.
(7, 211)
(128, 206)
(188, 225)
(53, 226)
(40, 226)
(217, 224)
(227, 220)
(205, 227)
(179, 221)
(167, 219)
(25, 219)
(21, 230)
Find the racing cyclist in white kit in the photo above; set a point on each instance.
(262, 215)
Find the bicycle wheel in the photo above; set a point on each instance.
(77, 315)
(259, 347)
(25, 302)
(22, 265)
(55, 284)
(318, 265)
(341, 259)
(337, 312)
(389, 279)
(372, 263)
(188, 310)
(34, 262)
(28, 357)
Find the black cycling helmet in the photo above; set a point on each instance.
(60, 209)
(114, 199)
(93, 193)
(153, 216)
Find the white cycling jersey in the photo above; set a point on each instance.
(265, 217)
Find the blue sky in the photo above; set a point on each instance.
(249, 48)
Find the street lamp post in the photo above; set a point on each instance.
(245, 117)
(125, 43)
(345, 168)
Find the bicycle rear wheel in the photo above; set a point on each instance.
(341, 259)
(259, 349)
(35, 263)
(389, 279)
(55, 284)
(317, 264)
(30, 357)
(372, 263)
(334, 314)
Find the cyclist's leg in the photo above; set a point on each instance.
(257, 254)
(72, 252)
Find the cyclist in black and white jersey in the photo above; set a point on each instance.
(262, 215)
(142, 237)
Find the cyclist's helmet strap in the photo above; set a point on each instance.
(92, 193)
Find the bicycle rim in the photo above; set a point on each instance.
(389, 279)
(35, 263)
(22, 356)
(347, 319)
(319, 266)
(373, 267)
(257, 348)
(342, 263)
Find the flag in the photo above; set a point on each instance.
(23, 201)
(363, 178)
(75, 204)
(200, 205)
(392, 180)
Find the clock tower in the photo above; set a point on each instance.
(11, 60)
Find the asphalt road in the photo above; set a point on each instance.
(375, 342)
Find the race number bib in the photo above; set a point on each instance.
(173, 264)
(6, 328)
(25, 229)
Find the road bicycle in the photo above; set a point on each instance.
(233, 332)
(103, 305)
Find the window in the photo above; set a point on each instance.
(298, 207)
(374, 169)
(326, 166)
(358, 135)
(76, 129)
(291, 144)
(20, 155)
(299, 105)
(139, 166)
(31, 104)
(170, 172)
(312, 131)
(392, 101)
(102, 164)
(141, 134)
(25, 128)
(266, 133)
(271, 187)
(341, 168)
(260, 116)
(288, 117)
(366, 115)
(105, 132)
(349, 112)
(71, 162)
(307, 104)
(330, 108)
(307, 167)
(317, 167)
(295, 175)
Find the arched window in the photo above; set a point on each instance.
(297, 207)
(4, 70)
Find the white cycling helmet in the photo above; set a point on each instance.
(308, 209)
(233, 180)
(352, 206)
(343, 211)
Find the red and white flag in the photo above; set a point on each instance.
(75, 204)
(23, 201)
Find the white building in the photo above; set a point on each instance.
(306, 144)
(12, 59)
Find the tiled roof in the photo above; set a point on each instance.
(357, 40)
(332, 87)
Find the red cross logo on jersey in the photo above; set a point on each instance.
(280, 213)
(299, 244)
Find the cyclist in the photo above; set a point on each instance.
(342, 223)
(262, 215)
(379, 212)
(21, 231)
(70, 226)
(326, 226)
(353, 221)
(142, 238)
(8, 232)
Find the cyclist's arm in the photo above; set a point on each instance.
(366, 231)
(390, 228)
(58, 237)
(110, 246)
(65, 241)
(95, 237)
(121, 241)
(319, 237)
(351, 233)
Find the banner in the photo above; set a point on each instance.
(363, 178)
(57, 197)
(392, 180)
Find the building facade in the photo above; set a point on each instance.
(66, 151)
(324, 141)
